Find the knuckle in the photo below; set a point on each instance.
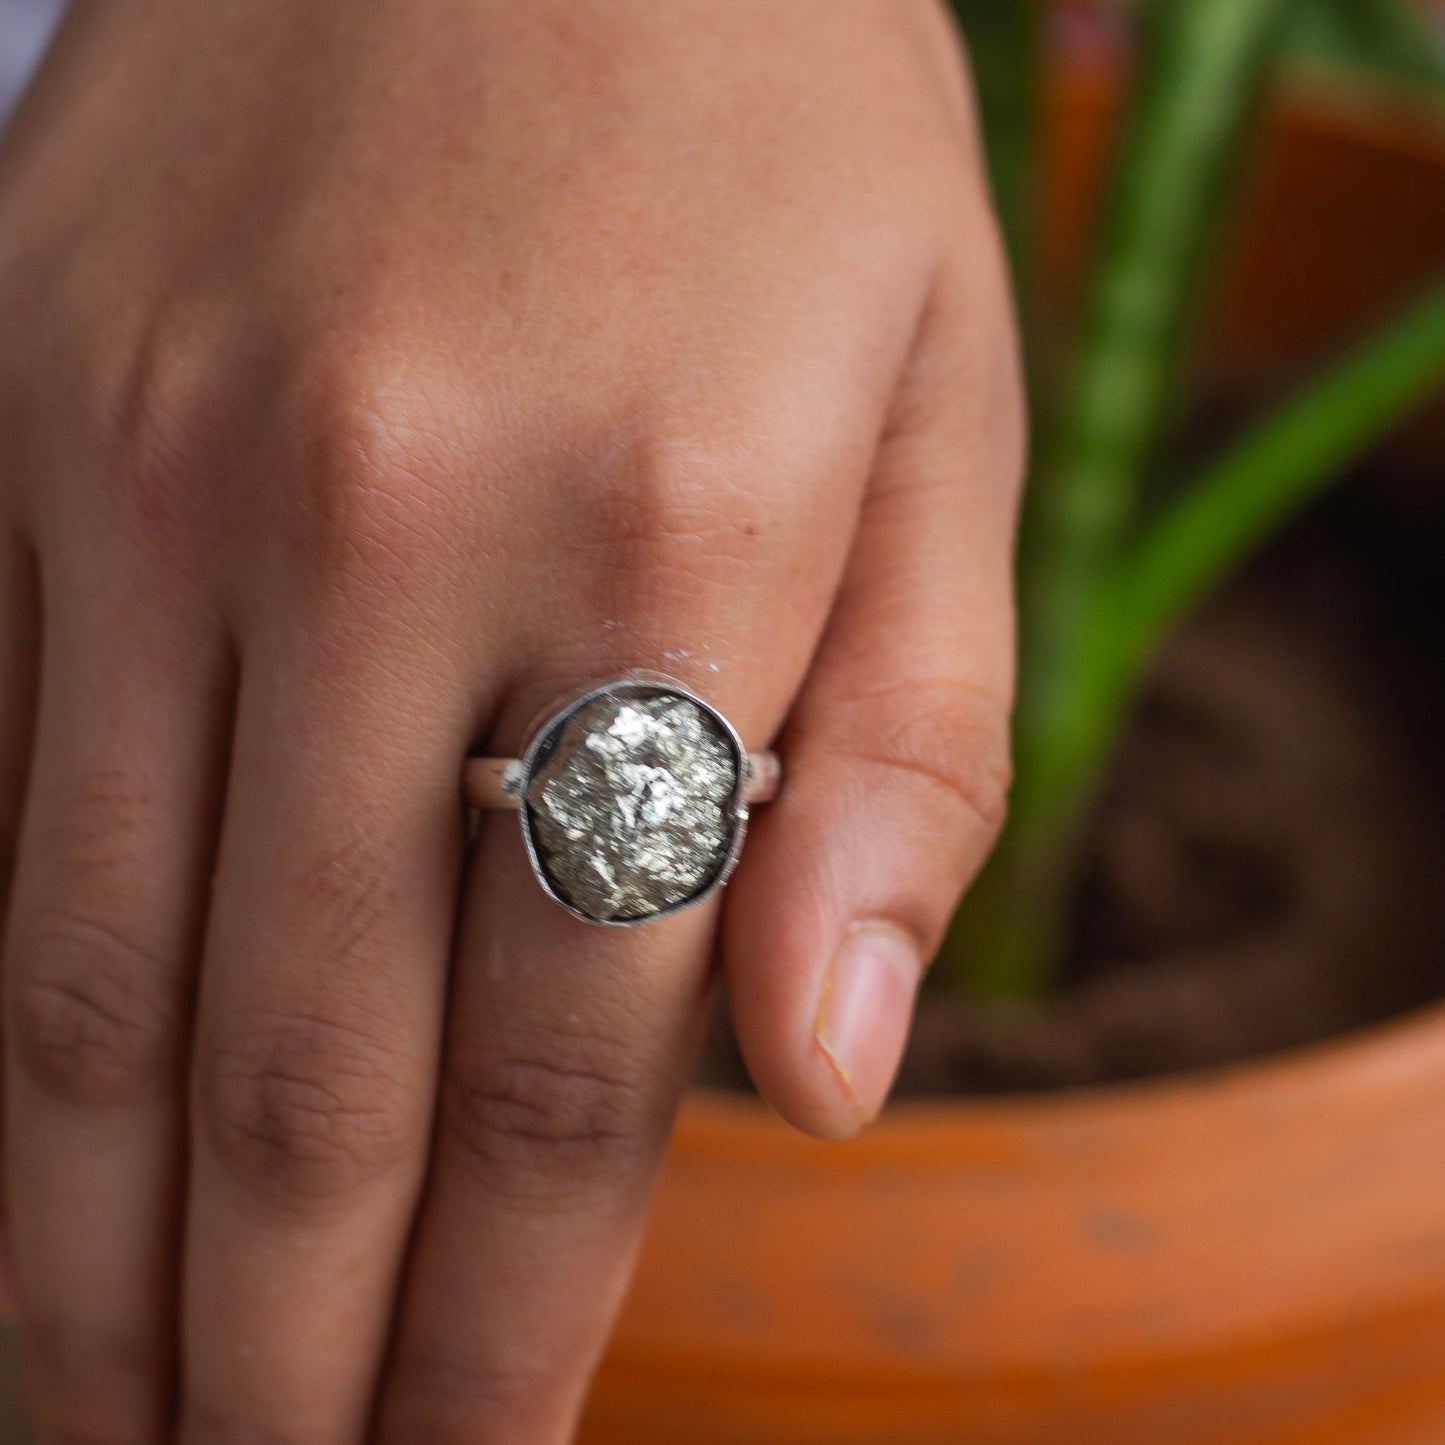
(671, 513)
(562, 1107)
(305, 1109)
(371, 455)
(95, 1005)
(95, 1016)
(949, 737)
(95, 842)
(159, 425)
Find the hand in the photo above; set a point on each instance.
(370, 374)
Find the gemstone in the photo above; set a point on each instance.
(630, 803)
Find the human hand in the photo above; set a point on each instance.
(370, 374)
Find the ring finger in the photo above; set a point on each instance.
(570, 1044)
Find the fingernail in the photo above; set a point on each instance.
(866, 1008)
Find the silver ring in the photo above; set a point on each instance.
(633, 798)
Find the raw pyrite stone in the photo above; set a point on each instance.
(631, 803)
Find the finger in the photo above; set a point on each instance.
(896, 751)
(19, 669)
(104, 929)
(318, 1031)
(551, 1130)
(570, 1044)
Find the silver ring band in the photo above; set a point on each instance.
(498, 782)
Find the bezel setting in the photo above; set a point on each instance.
(545, 738)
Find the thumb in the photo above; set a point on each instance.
(897, 747)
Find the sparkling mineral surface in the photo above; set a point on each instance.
(631, 806)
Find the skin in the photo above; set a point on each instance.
(371, 373)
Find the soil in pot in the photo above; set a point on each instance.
(1264, 866)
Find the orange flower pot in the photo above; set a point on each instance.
(1252, 1258)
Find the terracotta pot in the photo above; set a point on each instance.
(1255, 1257)
(1252, 1257)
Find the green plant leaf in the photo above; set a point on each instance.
(1234, 505)
(1202, 65)
(1201, 74)
(1387, 37)
(1267, 477)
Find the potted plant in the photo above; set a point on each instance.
(1246, 1255)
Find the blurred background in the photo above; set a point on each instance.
(25, 29)
(1264, 844)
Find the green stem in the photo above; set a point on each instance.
(1201, 70)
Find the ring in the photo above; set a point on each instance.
(633, 798)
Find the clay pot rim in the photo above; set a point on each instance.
(1374, 1057)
